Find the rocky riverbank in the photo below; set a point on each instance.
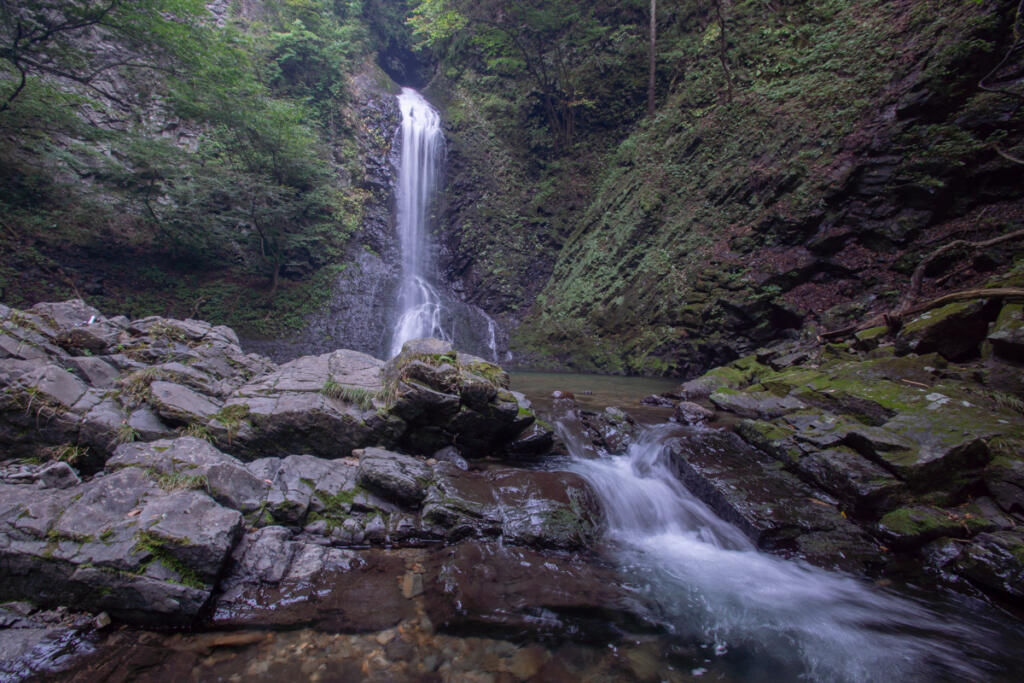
(154, 472)
(890, 453)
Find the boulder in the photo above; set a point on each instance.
(954, 331)
(180, 405)
(118, 543)
(688, 412)
(1007, 333)
(396, 477)
(185, 459)
(770, 506)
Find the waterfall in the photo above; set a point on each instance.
(798, 621)
(419, 302)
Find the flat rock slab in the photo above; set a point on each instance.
(489, 589)
(772, 507)
(118, 543)
(279, 582)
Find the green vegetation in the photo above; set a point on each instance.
(156, 548)
(220, 181)
(177, 481)
(344, 392)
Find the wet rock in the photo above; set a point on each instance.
(396, 477)
(995, 561)
(525, 507)
(277, 581)
(865, 489)
(772, 507)
(911, 527)
(657, 400)
(1004, 477)
(690, 413)
(954, 331)
(759, 404)
(489, 589)
(450, 454)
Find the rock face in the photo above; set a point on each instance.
(894, 442)
(454, 399)
(204, 470)
(76, 384)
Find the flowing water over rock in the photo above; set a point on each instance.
(419, 302)
(787, 619)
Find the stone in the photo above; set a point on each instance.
(118, 543)
(866, 489)
(450, 454)
(995, 561)
(493, 590)
(180, 405)
(225, 478)
(277, 581)
(688, 412)
(96, 371)
(773, 508)
(954, 331)
(761, 404)
(66, 315)
(56, 384)
(58, 475)
(1007, 333)
(396, 477)
(1004, 477)
(912, 527)
(147, 426)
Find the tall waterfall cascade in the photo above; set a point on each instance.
(420, 307)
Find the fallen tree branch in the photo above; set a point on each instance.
(887, 319)
(915, 279)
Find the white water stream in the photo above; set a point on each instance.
(794, 620)
(422, 145)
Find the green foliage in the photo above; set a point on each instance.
(358, 396)
(179, 481)
(247, 185)
(198, 431)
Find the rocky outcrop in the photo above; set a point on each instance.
(152, 464)
(904, 444)
(76, 384)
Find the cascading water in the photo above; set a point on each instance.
(790, 619)
(419, 302)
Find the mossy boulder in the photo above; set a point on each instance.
(955, 331)
(912, 527)
(451, 398)
(1007, 334)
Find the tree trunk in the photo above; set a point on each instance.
(651, 58)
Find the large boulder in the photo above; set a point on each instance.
(120, 543)
(451, 398)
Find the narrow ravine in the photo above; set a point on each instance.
(763, 617)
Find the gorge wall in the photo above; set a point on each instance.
(850, 140)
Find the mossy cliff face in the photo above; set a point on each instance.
(923, 451)
(854, 140)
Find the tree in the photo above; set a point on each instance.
(60, 39)
(652, 61)
(561, 48)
